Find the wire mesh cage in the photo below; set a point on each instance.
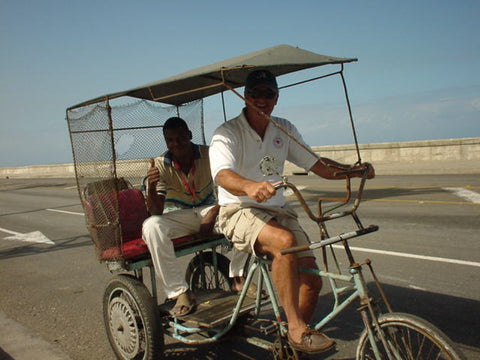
(112, 142)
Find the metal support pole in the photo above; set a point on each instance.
(359, 161)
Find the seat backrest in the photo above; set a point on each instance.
(133, 212)
(114, 218)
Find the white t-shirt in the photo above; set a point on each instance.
(236, 146)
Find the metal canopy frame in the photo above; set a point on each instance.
(230, 74)
(220, 76)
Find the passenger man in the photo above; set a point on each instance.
(246, 155)
(180, 180)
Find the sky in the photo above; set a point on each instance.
(417, 75)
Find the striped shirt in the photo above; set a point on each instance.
(176, 186)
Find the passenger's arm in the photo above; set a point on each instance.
(208, 222)
(155, 201)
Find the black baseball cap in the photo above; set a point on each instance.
(261, 77)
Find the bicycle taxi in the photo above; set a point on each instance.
(113, 137)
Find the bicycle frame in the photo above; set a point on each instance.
(355, 290)
(381, 327)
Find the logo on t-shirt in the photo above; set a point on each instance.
(269, 166)
(278, 142)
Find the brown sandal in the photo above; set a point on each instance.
(185, 305)
(251, 291)
(313, 342)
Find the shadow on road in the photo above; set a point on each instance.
(456, 317)
(16, 250)
(42, 209)
(27, 184)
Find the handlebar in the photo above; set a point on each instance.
(350, 172)
(342, 201)
(323, 217)
(332, 240)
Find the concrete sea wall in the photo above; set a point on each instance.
(447, 156)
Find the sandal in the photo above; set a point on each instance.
(185, 304)
(251, 291)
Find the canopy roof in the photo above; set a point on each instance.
(212, 79)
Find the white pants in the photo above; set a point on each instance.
(158, 230)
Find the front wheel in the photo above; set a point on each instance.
(408, 337)
(132, 320)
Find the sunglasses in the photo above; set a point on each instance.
(265, 94)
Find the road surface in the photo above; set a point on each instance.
(427, 253)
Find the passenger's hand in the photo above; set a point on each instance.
(260, 191)
(208, 222)
(153, 175)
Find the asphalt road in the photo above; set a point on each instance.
(427, 254)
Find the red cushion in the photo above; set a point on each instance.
(101, 209)
(133, 213)
(130, 250)
(184, 240)
(137, 248)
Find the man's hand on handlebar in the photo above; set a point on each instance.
(358, 170)
(330, 169)
(260, 191)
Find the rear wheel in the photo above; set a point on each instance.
(131, 320)
(408, 337)
(201, 274)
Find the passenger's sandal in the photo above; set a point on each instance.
(185, 305)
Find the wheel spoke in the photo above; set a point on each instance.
(201, 274)
(407, 338)
(124, 325)
(131, 320)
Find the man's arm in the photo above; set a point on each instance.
(240, 186)
(155, 201)
(262, 191)
(328, 169)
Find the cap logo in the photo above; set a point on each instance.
(261, 77)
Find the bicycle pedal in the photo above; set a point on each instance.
(270, 329)
(266, 327)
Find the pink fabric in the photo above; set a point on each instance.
(130, 250)
(101, 209)
(133, 213)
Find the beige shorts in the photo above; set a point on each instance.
(243, 224)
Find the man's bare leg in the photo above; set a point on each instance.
(310, 286)
(287, 280)
(271, 240)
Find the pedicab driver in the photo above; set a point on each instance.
(254, 216)
(180, 197)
